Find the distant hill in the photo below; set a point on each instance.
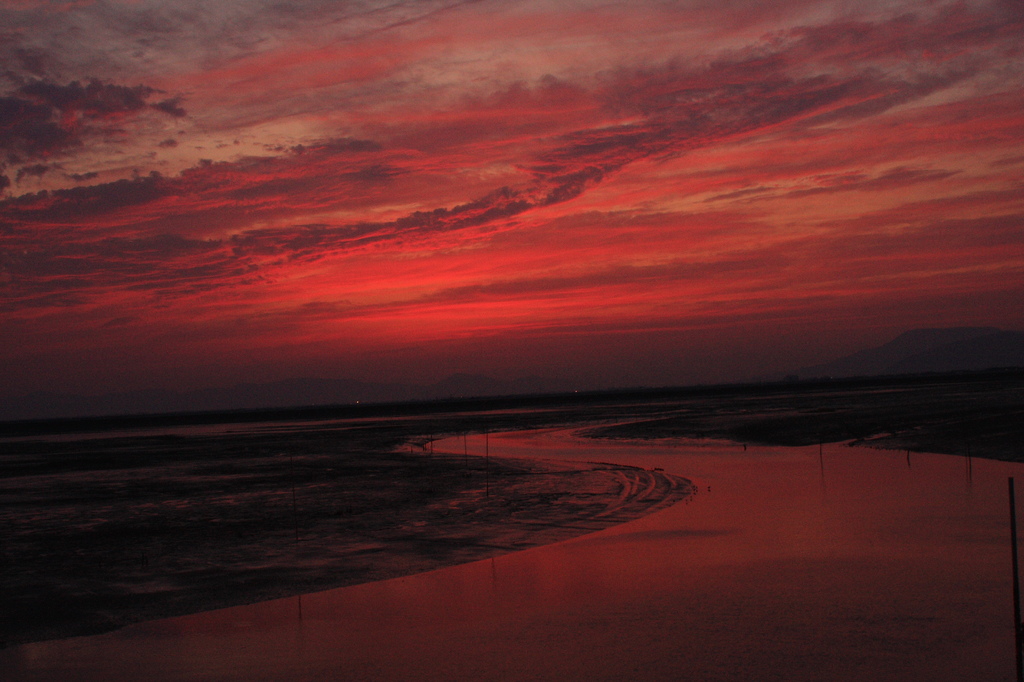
(930, 350)
(916, 351)
(472, 385)
(286, 393)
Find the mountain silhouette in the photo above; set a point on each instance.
(930, 350)
(913, 352)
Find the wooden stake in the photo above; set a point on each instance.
(295, 508)
(1018, 632)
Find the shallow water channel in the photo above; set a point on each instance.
(787, 564)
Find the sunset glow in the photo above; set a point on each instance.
(195, 194)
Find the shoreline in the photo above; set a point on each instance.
(458, 514)
(104, 525)
(835, 566)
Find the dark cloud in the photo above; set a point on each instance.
(41, 118)
(171, 106)
(947, 33)
(95, 99)
(168, 143)
(211, 196)
(31, 60)
(308, 244)
(1009, 161)
(119, 322)
(803, 77)
(896, 178)
(54, 244)
(165, 262)
(37, 170)
(678, 118)
(831, 183)
(76, 205)
(741, 193)
(571, 185)
(31, 129)
(338, 146)
(74, 269)
(682, 109)
(82, 177)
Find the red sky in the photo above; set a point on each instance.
(643, 193)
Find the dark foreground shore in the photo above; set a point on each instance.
(104, 532)
(111, 521)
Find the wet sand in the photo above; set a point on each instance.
(111, 522)
(141, 529)
(785, 564)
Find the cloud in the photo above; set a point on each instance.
(946, 32)
(41, 118)
(28, 129)
(94, 100)
(451, 178)
(651, 113)
(120, 322)
(80, 269)
(892, 179)
(76, 205)
(171, 106)
(37, 170)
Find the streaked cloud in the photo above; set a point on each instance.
(339, 174)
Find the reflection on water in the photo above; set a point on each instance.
(787, 564)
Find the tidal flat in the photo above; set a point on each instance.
(114, 521)
(133, 528)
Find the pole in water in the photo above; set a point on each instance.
(1017, 629)
(295, 509)
(821, 462)
(487, 464)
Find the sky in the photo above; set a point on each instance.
(195, 194)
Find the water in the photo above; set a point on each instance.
(787, 564)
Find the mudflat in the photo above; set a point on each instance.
(112, 521)
(103, 532)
